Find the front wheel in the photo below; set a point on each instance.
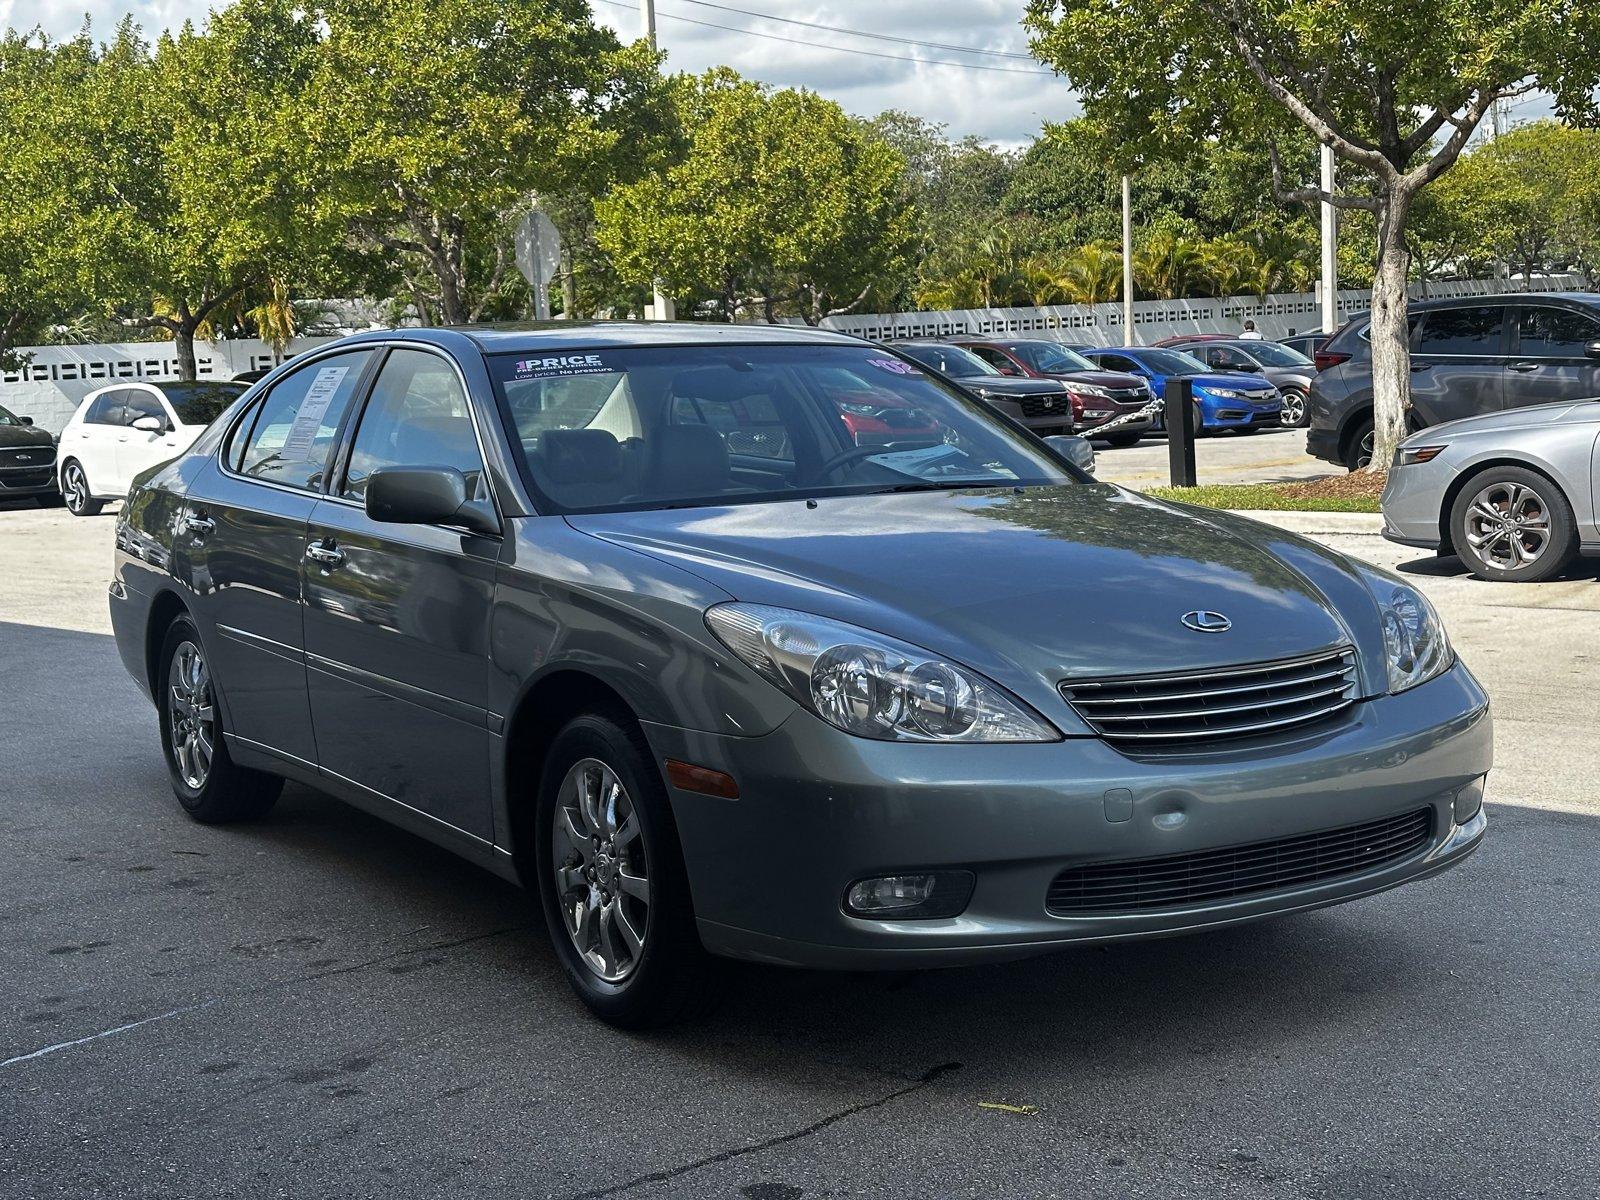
(1293, 413)
(75, 491)
(211, 788)
(1513, 525)
(612, 882)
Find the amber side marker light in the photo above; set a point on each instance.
(690, 778)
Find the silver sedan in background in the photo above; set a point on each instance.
(1511, 492)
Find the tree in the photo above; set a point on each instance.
(1396, 91)
(446, 117)
(780, 204)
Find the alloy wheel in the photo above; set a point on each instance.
(1293, 411)
(1369, 442)
(1508, 526)
(77, 488)
(191, 715)
(602, 878)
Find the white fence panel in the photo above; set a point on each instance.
(55, 379)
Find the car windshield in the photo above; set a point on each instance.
(1172, 362)
(201, 403)
(7, 417)
(1050, 358)
(672, 427)
(1275, 355)
(951, 360)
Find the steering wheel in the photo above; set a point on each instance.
(845, 457)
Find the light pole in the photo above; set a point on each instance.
(662, 308)
(1127, 263)
(1330, 247)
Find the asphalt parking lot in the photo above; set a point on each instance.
(320, 1005)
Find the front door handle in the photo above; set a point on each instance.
(324, 555)
(197, 525)
(1524, 366)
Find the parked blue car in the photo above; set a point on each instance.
(1222, 399)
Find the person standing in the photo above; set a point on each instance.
(1251, 333)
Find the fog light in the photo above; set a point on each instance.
(904, 897)
(1469, 800)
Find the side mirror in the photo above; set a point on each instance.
(1074, 449)
(1592, 350)
(150, 425)
(426, 496)
(1247, 365)
(26, 420)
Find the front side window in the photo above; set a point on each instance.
(1463, 330)
(1173, 362)
(106, 410)
(684, 426)
(7, 417)
(140, 403)
(417, 417)
(295, 427)
(1555, 333)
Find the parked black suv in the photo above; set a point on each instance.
(1469, 355)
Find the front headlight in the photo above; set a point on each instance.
(1226, 393)
(870, 685)
(1414, 640)
(1411, 456)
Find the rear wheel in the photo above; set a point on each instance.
(1512, 524)
(75, 491)
(1359, 444)
(612, 881)
(211, 788)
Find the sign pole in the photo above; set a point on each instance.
(661, 308)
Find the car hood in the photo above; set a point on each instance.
(1030, 587)
(1239, 381)
(20, 437)
(1561, 413)
(1105, 379)
(1009, 385)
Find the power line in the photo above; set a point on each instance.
(777, 37)
(862, 33)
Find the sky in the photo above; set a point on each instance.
(1007, 106)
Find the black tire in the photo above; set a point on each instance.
(1358, 445)
(671, 977)
(51, 500)
(1199, 420)
(1533, 521)
(76, 492)
(1123, 440)
(223, 791)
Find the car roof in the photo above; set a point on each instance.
(557, 335)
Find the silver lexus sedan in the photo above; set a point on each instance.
(767, 643)
(1512, 493)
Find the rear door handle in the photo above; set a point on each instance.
(324, 555)
(1525, 366)
(198, 525)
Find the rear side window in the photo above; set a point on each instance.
(1463, 330)
(1555, 332)
(417, 417)
(295, 426)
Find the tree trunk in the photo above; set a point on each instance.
(183, 342)
(1391, 350)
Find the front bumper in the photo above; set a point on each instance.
(820, 810)
(23, 483)
(1413, 504)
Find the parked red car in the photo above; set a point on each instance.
(1098, 396)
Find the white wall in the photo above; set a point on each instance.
(51, 384)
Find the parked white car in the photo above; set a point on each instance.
(120, 430)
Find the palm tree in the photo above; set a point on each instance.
(1168, 266)
(1092, 274)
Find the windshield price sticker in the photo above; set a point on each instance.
(556, 365)
(894, 366)
(308, 418)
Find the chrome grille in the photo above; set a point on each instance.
(1047, 404)
(1189, 710)
(1212, 876)
(28, 458)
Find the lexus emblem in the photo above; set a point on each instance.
(1204, 621)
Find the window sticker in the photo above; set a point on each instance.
(554, 366)
(308, 419)
(894, 366)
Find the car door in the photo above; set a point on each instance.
(137, 449)
(242, 540)
(92, 443)
(1550, 359)
(1458, 362)
(397, 616)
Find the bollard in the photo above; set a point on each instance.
(1181, 431)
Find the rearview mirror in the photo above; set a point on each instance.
(150, 425)
(426, 496)
(1074, 449)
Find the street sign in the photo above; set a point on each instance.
(538, 246)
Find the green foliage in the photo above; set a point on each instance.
(1269, 497)
(780, 204)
